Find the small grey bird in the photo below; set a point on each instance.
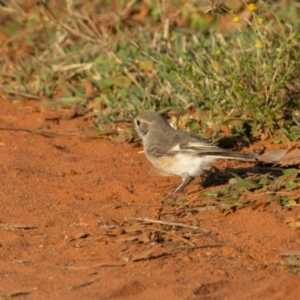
(177, 152)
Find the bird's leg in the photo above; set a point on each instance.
(186, 180)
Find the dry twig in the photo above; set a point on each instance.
(85, 283)
(147, 220)
(173, 234)
(103, 264)
(16, 293)
(18, 226)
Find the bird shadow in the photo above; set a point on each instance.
(215, 176)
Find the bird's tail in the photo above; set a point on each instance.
(235, 155)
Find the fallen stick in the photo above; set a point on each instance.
(85, 283)
(18, 226)
(147, 220)
(17, 293)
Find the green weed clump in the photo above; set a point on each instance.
(232, 196)
(118, 62)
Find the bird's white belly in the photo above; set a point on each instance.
(182, 164)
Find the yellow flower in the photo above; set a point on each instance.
(236, 19)
(258, 44)
(252, 7)
(260, 20)
(218, 52)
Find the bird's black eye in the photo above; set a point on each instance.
(138, 122)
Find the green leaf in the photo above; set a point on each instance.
(105, 83)
(292, 202)
(233, 181)
(249, 184)
(290, 185)
(122, 81)
(287, 202)
(210, 193)
(278, 140)
(146, 65)
(291, 172)
(264, 181)
(231, 202)
(225, 190)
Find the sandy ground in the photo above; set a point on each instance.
(69, 191)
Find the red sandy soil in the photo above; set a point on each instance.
(71, 188)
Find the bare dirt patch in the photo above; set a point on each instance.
(63, 234)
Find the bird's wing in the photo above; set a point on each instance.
(181, 142)
(158, 151)
(194, 146)
(199, 147)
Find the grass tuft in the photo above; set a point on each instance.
(226, 67)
